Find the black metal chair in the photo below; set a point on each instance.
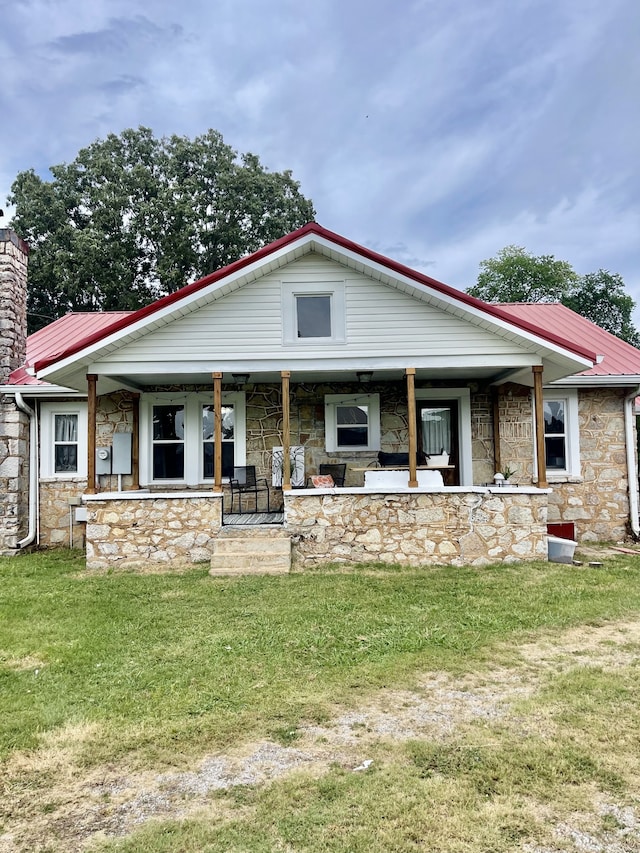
(244, 482)
(337, 471)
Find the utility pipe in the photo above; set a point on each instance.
(632, 461)
(33, 470)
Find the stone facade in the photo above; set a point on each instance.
(140, 530)
(597, 502)
(13, 302)
(14, 424)
(264, 425)
(14, 476)
(454, 526)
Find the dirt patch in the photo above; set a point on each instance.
(109, 802)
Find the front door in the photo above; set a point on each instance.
(438, 433)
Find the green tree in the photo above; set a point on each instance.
(515, 275)
(135, 217)
(601, 297)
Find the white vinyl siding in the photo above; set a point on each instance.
(379, 320)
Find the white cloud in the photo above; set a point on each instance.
(444, 132)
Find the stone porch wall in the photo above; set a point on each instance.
(139, 530)
(457, 526)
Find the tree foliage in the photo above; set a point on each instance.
(515, 275)
(601, 297)
(135, 217)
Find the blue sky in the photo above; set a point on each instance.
(434, 131)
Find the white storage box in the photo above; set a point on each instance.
(437, 459)
(560, 550)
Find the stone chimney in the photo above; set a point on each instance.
(13, 302)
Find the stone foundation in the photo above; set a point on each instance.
(56, 513)
(455, 526)
(141, 529)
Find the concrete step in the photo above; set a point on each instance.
(239, 553)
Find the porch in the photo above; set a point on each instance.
(422, 526)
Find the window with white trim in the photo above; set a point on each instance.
(561, 434)
(63, 441)
(177, 437)
(352, 422)
(313, 313)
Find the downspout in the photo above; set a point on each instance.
(632, 461)
(33, 470)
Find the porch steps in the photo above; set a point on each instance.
(251, 551)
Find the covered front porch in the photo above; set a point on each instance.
(183, 435)
(467, 520)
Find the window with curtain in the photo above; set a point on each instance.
(228, 441)
(65, 444)
(435, 429)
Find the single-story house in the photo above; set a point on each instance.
(127, 431)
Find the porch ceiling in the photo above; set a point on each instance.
(140, 381)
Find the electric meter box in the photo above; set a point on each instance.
(103, 460)
(121, 463)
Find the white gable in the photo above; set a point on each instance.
(380, 322)
(240, 320)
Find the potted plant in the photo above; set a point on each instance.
(508, 473)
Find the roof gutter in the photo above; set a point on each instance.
(632, 461)
(33, 470)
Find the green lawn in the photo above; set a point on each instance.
(156, 671)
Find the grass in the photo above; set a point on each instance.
(150, 671)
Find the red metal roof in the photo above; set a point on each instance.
(620, 358)
(62, 334)
(96, 335)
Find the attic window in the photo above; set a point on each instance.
(313, 313)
